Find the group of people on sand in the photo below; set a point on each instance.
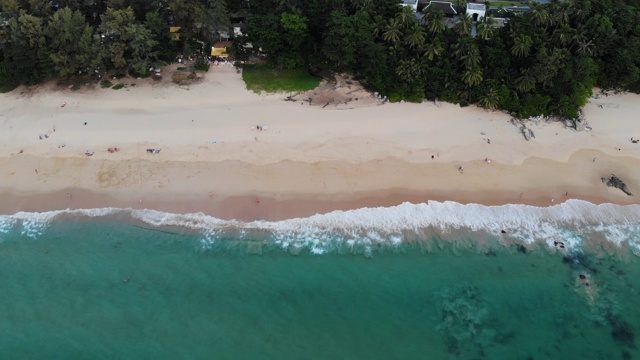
(113, 149)
(153, 151)
(635, 141)
(261, 127)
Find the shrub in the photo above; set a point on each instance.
(106, 84)
(179, 77)
(118, 87)
(202, 65)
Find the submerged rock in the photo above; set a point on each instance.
(614, 181)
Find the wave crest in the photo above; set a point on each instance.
(571, 222)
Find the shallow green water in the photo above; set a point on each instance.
(104, 290)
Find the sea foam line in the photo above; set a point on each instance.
(568, 221)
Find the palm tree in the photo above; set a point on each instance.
(406, 17)
(362, 5)
(562, 35)
(585, 47)
(581, 11)
(415, 36)
(432, 50)
(434, 20)
(522, 45)
(464, 25)
(380, 25)
(560, 13)
(539, 14)
(408, 70)
(393, 32)
(525, 83)
(472, 77)
(471, 57)
(490, 100)
(485, 28)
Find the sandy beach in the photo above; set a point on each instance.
(308, 160)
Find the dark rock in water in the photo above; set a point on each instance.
(503, 232)
(490, 253)
(521, 249)
(621, 331)
(614, 181)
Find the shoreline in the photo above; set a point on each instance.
(486, 185)
(309, 160)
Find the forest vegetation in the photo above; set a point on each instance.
(542, 62)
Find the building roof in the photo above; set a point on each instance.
(409, 2)
(446, 7)
(222, 44)
(474, 6)
(240, 14)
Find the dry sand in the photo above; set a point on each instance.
(310, 159)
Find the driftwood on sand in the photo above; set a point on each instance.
(614, 181)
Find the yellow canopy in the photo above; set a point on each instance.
(218, 52)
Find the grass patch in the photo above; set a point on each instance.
(506, 3)
(265, 77)
(106, 84)
(118, 87)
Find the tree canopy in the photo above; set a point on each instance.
(542, 62)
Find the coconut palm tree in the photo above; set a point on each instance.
(408, 70)
(560, 13)
(464, 25)
(393, 32)
(415, 36)
(432, 50)
(582, 9)
(581, 44)
(522, 45)
(486, 28)
(489, 100)
(473, 76)
(406, 17)
(562, 36)
(525, 83)
(539, 14)
(471, 57)
(434, 21)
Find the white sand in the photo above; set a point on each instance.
(307, 151)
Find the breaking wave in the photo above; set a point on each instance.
(571, 224)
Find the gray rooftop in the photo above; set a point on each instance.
(474, 6)
(445, 7)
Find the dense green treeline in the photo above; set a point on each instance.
(40, 39)
(545, 61)
(542, 62)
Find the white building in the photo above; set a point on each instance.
(412, 3)
(476, 11)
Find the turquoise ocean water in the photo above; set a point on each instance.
(428, 281)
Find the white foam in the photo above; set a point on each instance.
(6, 224)
(362, 229)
